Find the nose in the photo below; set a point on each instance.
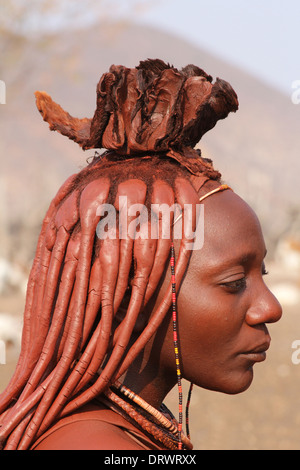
(265, 309)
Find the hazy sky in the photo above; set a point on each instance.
(262, 36)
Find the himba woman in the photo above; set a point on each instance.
(118, 309)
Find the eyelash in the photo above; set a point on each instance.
(235, 286)
(238, 285)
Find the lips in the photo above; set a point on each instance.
(258, 353)
(259, 349)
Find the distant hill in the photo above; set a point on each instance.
(256, 149)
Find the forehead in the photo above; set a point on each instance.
(232, 231)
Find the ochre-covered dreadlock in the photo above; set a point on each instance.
(149, 118)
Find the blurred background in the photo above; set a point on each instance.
(63, 47)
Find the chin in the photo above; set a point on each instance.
(233, 383)
(239, 383)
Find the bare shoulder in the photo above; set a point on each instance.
(87, 434)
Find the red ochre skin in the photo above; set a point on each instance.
(98, 309)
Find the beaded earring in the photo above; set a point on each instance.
(177, 360)
(222, 187)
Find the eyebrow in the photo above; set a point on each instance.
(242, 259)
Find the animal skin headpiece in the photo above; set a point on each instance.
(150, 108)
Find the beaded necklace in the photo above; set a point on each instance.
(160, 424)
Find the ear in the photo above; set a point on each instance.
(61, 121)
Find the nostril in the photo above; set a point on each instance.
(266, 309)
(277, 309)
(273, 307)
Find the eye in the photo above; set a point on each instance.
(235, 286)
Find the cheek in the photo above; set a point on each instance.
(210, 328)
(202, 336)
(208, 316)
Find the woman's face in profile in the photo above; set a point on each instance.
(224, 304)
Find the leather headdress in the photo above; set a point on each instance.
(151, 108)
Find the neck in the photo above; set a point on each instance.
(151, 385)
